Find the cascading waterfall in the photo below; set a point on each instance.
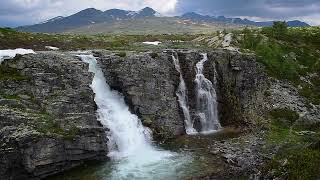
(130, 145)
(126, 131)
(183, 99)
(206, 100)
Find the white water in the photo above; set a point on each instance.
(183, 100)
(11, 53)
(206, 100)
(130, 145)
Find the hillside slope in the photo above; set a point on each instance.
(152, 25)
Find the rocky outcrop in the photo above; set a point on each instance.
(284, 95)
(241, 87)
(47, 116)
(148, 83)
(239, 80)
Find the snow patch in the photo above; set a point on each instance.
(156, 43)
(53, 19)
(52, 48)
(11, 53)
(158, 14)
(131, 13)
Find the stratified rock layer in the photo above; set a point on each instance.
(148, 85)
(47, 116)
(149, 81)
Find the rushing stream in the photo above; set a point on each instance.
(133, 154)
(130, 144)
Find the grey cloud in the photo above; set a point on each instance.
(21, 12)
(258, 8)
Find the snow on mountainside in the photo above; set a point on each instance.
(87, 17)
(53, 19)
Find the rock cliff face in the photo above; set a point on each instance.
(47, 116)
(241, 87)
(149, 85)
(239, 80)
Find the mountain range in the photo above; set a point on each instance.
(206, 18)
(94, 19)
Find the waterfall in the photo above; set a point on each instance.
(183, 99)
(130, 146)
(127, 133)
(206, 100)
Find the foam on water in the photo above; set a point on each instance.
(183, 100)
(130, 143)
(206, 100)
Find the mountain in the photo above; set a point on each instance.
(148, 25)
(53, 19)
(205, 18)
(90, 19)
(87, 17)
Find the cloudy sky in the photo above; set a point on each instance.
(21, 12)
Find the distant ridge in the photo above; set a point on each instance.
(87, 17)
(91, 16)
(205, 18)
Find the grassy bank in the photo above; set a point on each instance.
(292, 55)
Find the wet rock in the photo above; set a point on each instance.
(149, 86)
(47, 118)
(241, 83)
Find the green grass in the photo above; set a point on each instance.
(47, 125)
(284, 117)
(312, 92)
(289, 56)
(296, 164)
(122, 54)
(7, 73)
(11, 96)
(296, 158)
(37, 41)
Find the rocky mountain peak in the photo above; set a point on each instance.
(147, 12)
(89, 12)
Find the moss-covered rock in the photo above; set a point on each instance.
(47, 116)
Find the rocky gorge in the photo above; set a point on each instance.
(48, 118)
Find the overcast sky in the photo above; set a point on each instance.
(21, 12)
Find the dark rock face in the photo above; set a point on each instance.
(47, 116)
(148, 85)
(241, 86)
